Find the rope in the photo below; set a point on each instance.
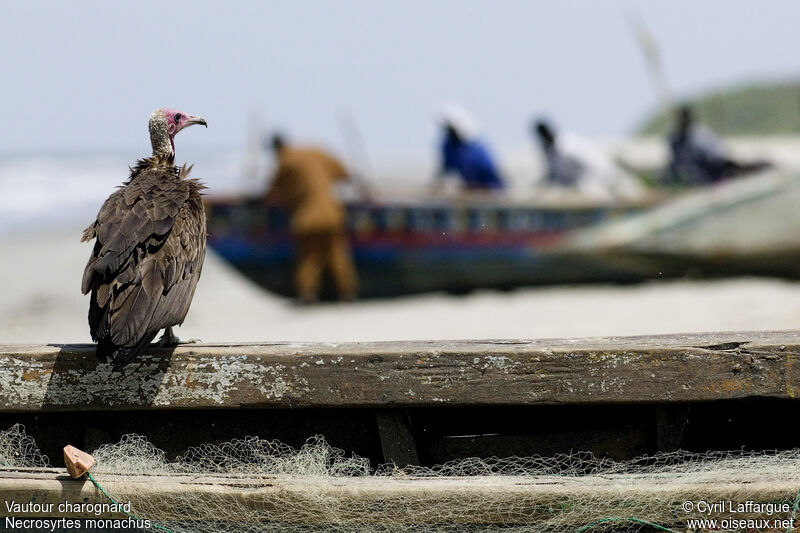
(794, 512)
(107, 495)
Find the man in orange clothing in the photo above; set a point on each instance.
(303, 183)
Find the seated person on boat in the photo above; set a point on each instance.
(576, 164)
(697, 157)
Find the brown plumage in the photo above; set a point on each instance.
(147, 259)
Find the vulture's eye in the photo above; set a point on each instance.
(178, 117)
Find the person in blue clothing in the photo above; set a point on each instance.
(465, 155)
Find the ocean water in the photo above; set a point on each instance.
(46, 193)
(40, 193)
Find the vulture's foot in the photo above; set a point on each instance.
(170, 339)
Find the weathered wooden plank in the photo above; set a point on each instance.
(397, 440)
(384, 500)
(657, 369)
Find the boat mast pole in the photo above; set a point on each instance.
(358, 154)
(655, 67)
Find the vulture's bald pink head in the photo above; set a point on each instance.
(164, 125)
(177, 120)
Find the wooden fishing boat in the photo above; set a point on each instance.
(748, 226)
(412, 245)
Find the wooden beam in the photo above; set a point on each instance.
(671, 422)
(654, 369)
(397, 440)
(385, 500)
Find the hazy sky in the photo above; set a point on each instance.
(84, 76)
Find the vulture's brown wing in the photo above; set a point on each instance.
(142, 211)
(179, 263)
(135, 262)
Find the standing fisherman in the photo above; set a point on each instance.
(304, 184)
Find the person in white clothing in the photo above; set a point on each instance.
(575, 163)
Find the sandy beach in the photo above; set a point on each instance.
(41, 303)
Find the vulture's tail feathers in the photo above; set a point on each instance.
(119, 356)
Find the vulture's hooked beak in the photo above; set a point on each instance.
(196, 120)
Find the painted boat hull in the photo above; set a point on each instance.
(407, 249)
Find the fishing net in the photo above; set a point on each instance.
(18, 450)
(251, 484)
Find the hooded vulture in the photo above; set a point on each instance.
(149, 249)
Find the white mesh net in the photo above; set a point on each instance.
(18, 450)
(252, 484)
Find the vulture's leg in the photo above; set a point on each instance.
(170, 339)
